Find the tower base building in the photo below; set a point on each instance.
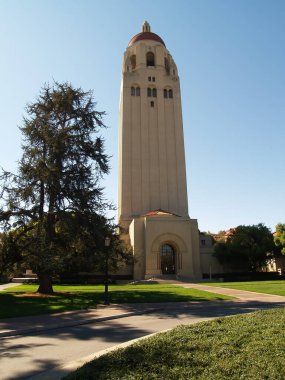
(153, 204)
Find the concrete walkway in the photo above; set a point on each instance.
(9, 285)
(45, 322)
(242, 295)
(34, 324)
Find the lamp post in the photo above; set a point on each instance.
(107, 245)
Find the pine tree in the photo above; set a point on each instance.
(54, 204)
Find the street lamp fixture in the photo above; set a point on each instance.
(107, 245)
(107, 241)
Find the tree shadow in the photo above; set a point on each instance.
(41, 366)
(102, 334)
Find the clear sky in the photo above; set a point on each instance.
(230, 56)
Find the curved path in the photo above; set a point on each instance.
(53, 353)
(243, 295)
(9, 285)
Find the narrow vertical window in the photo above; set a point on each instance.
(133, 91)
(150, 59)
(166, 65)
(152, 103)
(170, 94)
(153, 79)
(149, 92)
(165, 93)
(138, 91)
(149, 79)
(154, 93)
(133, 61)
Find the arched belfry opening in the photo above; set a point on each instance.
(167, 65)
(150, 59)
(167, 259)
(133, 61)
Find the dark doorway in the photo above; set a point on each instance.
(167, 259)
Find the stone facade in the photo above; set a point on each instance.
(209, 264)
(152, 202)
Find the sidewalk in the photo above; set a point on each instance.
(9, 285)
(38, 323)
(243, 295)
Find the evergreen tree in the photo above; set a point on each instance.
(54, 204)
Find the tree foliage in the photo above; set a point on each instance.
(247, 248)
(54, 206)
(279, 237)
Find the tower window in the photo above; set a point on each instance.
(168, 93)
(152, 92)
(153, 79)
(152, 103)
(135, 91)
(167, 66)
(150, 59)
(133, 61)
(149, 79)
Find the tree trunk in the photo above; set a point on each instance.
(45, 284)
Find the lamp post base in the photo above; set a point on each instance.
(106, 295)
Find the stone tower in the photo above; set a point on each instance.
(153, 204)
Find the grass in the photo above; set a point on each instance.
(250, 347)
(75, 297)
(276, 287)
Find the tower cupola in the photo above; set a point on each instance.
(145, 27)
(146, 34)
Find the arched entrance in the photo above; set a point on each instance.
(167, 257)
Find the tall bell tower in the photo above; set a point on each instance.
(153, 204)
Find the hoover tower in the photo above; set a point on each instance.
(152, 199)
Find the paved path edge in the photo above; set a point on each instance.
(57, 372)
(11, 333)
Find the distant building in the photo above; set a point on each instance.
(209, 264)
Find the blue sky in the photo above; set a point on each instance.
(231, 60)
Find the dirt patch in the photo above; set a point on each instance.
(55, 294)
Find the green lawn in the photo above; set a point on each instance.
(243, 347)
(76, 297)
(276, 287)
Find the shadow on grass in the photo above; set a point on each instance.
(111, 332)
(15, 304)
(25, 305)
(225, 346)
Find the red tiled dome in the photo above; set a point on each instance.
(146, 36)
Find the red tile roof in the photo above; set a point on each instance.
(146, 36)
(159, 212)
